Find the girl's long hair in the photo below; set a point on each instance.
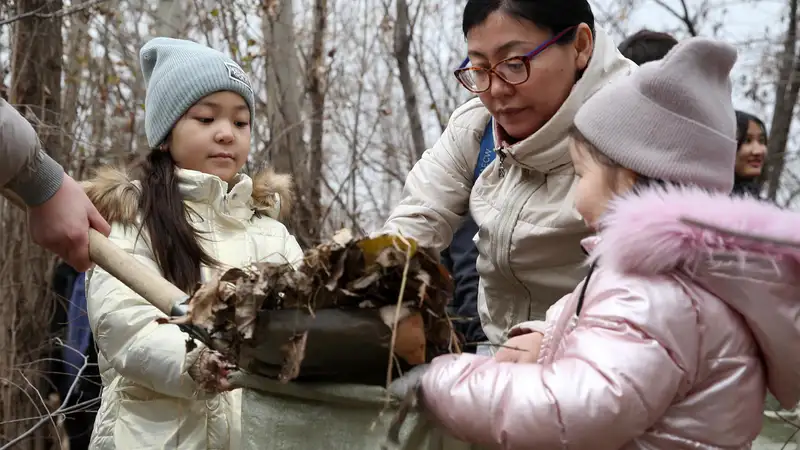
(173, 240)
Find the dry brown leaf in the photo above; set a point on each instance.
(410, 339)
(203, 302)
(294, 352)
(337, 272)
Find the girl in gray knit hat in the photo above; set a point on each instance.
(189, 210)
(689, 310)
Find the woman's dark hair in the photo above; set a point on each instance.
(552, 15)
(743, 120)
(646, 46)
(173, 240)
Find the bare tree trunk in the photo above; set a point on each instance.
(36, 70)
(403, 31)
(77, 52)
(317, 71)
(287, 149)
(170, 18)
(786, 94)
(26, 308)
(3, 88)
(102, 67)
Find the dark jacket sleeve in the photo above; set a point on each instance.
(460, 260)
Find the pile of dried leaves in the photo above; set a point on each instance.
(346, 273)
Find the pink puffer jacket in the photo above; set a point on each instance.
(682, 329)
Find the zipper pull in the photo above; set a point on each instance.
(501, 154)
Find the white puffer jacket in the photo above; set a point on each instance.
(149, 401)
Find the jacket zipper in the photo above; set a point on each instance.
(225, 203)
(501, 251)
(505, 230)
(502, 157)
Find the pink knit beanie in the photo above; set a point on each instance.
(672, 119)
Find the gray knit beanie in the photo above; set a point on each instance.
(178, 73)
(672, 119)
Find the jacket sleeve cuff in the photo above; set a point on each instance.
(40, 186)
(192, 366)
(533, 326)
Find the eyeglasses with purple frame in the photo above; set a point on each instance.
(525, 59)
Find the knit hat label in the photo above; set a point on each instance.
(236, 73)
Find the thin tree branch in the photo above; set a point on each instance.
(60, 13)
(61, 409)
(684, 18)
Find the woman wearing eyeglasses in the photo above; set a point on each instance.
(532, 64)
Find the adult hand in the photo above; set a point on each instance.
(521, 349)
(62, 224)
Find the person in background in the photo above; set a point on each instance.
(460, 259)
(80, 351)
(751, 152)
(62, 282)
(646, 45)
(59, 212)
(71, 324)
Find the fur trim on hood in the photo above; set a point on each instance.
(743, 250)
(686, 225)
(115, 194)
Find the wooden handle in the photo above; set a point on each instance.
(159, 292)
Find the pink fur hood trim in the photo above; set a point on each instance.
(743, 250)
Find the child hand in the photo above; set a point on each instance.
(521, 349)
(211, 371)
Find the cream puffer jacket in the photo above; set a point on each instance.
(149, 401)
(529, 231)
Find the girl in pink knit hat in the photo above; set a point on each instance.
(691, 307)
